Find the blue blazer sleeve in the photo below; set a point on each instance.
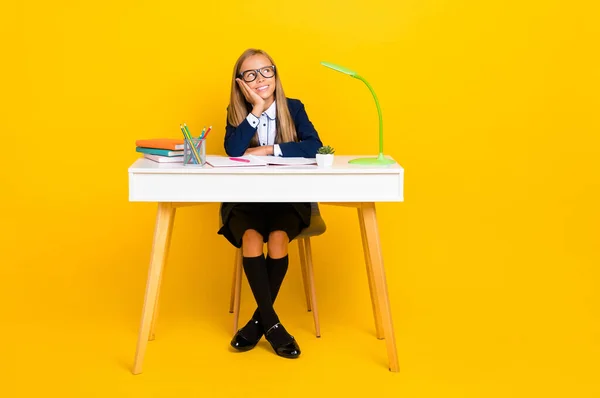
(308, 138)
(237, 139)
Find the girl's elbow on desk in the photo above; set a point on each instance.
(234, 151)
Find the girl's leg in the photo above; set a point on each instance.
(278, 244)
(283, 343)
(255, 269)
(277, 264)
(252, 243)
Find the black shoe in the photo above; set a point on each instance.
(242, 343)
(282, 342)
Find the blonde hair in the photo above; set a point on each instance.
(239, 108)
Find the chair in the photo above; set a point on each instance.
(317, 227)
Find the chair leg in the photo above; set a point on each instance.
(234, 279)
(305, 281)
(238, 289)
(313, 291)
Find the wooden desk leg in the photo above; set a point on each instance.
(156, 306)
(374, 302)
(164, 222)
(369, 218)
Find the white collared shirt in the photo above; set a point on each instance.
(267, 127)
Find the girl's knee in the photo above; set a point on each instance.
(251, 234)
(278, 237)
(252, 243)
(278, 242)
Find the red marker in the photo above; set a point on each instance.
(240, 160)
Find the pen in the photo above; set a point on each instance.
(240, 160)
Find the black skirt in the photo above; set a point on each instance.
(264, 218)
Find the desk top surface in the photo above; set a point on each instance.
(340, 166)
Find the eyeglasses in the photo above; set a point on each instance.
(250, 75)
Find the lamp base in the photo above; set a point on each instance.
(378, 161)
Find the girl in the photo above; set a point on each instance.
(262, 121)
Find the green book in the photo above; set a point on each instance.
(160, 152)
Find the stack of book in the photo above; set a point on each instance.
(162, 150)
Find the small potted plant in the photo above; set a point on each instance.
(325, 156)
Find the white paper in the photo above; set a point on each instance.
(280, 160)
(225, 161)
(252, 160)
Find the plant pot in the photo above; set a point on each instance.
(324, 160)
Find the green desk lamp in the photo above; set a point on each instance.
(379, 160)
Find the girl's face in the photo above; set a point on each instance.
(263, 86)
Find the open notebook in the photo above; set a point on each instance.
(251, 160)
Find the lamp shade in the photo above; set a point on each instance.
(339, 68)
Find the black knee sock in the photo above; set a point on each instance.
(276, 268)
(258, 279)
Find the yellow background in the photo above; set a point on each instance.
(492, 261)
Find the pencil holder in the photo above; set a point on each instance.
(195, 156)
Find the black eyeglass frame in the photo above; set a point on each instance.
(241, 74)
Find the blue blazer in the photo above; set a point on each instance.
(237, 139)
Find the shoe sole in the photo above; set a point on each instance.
(243, 349)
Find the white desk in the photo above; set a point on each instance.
(173, 185)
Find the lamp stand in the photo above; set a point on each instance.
(379, 160)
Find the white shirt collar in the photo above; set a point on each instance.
(271, 112)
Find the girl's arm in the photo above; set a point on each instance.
(237, 139)
(308, 137)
